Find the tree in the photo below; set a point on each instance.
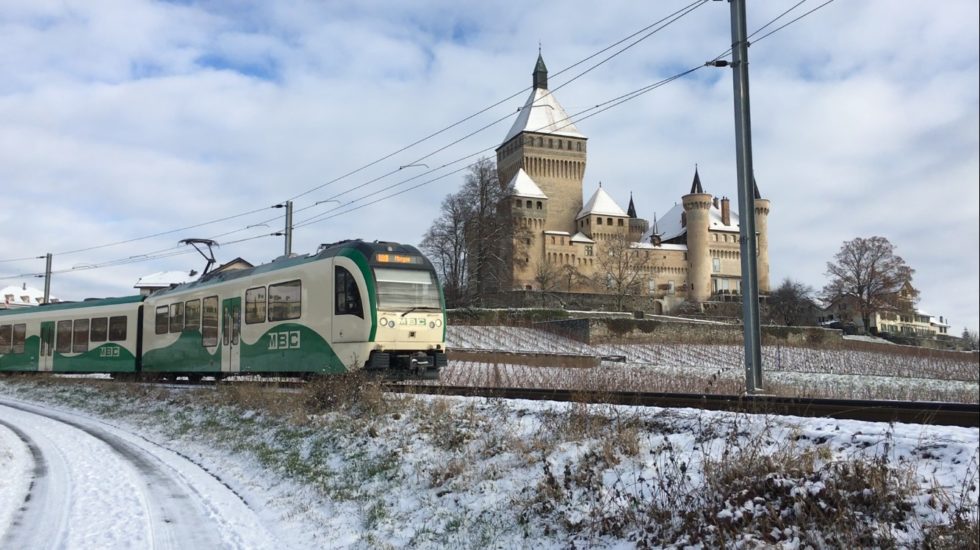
(621, 268)
(868, 274)
(445, 245)
(791, 303)
(489, 233)
(468, 242)
(970, 339)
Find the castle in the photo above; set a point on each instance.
(561, 243)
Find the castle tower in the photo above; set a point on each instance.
(697, 207)
(638, 226)
(762, 230)
(550, 149)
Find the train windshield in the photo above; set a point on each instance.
(406, 289)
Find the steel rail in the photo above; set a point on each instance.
(913, 412)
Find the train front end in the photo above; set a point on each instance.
(410, 338)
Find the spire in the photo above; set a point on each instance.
(755, 188)
(540, 73)
(655, 234)
(696, 184)
(631, 210)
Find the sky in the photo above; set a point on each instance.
(123, 120)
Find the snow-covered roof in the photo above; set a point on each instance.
(23, 295)
(524, 186)
(601, 204)
(543, 114)
(164, 279)
(562, 233)
(670, 224)
(581, 238)
(663, 246)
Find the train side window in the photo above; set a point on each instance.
(347, 299)
(63, 337)
(6, 338)
(209, 321)
(162, 319)
(80, 336)
(117, 328)
(255, 304)
(100, 329)
(192, 315)
(20, 335)
(285, 301)
(177, 317)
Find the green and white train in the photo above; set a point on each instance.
(353, 305)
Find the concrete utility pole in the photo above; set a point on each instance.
(746, 201)
(47, 278)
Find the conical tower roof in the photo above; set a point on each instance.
(601, 204)
(696, 184)
(541, 112)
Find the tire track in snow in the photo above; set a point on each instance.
(39, 508)
(179, 505)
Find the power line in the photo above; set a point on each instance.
(599, 108)
(682, 11)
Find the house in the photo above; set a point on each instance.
(22, 296)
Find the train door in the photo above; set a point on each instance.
(45, 355)
(231, 332)
(351, 321)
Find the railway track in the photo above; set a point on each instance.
(913, 412)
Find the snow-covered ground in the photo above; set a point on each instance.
(405, 472)
(719, 368)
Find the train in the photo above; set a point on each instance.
(352, 305)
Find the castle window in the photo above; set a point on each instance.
(716, 265)
(588, 250)
(569, 145)
(517, 203)
(670, 287)
(621, 223)
(598, 221)
(540, 142)
(552, 239)
(551, 143)
(540, 206)
(608, 221)
(578, 146)
(559, 144)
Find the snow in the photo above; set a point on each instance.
(524, 186)
(670, 226)
(23, 295)
(436, 472)
(543, 114)
(601, 204)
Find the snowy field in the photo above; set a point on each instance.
(716, 368)
(341, 467)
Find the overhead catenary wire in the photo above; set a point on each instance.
(328, 215)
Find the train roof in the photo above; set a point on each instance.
(368, 249)
(72, 305)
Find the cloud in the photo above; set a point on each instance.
(120, 122)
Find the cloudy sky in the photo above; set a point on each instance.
(126, 119)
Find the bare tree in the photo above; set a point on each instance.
(445, 245)
(791, 303)
(620, 268)
(488, 232)
(868, 274)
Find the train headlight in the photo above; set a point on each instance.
(384, 321)
(438, 322)
(432, 324)
(391, 324)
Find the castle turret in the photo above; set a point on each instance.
(545, 143)
(697, 207)
(762, 230)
